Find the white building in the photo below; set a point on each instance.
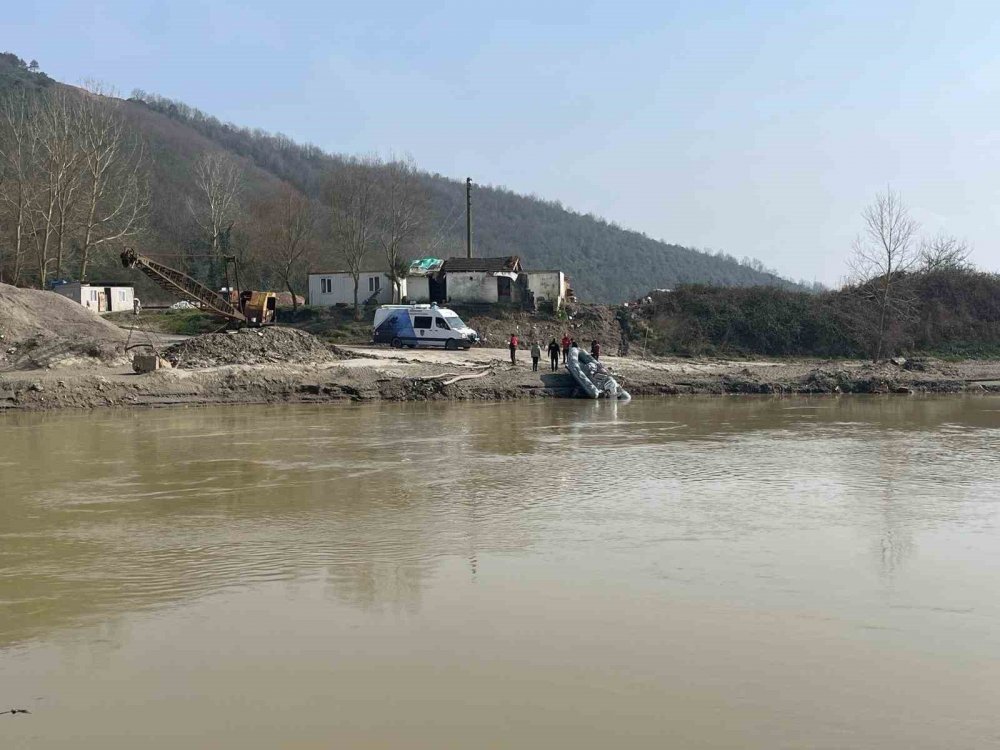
(483, 280)
(457, 280)
(111, 296)
(337, 288)
(550, 286)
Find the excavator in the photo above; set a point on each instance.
(247, 308)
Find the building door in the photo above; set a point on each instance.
(503, 289)
(107, 299)
(437, 288)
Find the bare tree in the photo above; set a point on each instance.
(944, 253)
(351, 191)
(285, 227)
(59, 172)
(401, 215)
(220, 180)
(18, 181)
(883, 253)
(116, 193)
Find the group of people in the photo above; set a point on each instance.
(554, 349)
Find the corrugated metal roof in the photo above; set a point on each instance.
(509, 263)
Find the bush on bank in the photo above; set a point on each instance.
(950, 312)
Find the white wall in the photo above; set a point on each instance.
(550, 285)
(472, 286)
(418, 288)
(92, 296)
(343, 288)
(121, 298)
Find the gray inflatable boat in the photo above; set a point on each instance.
(593, 377)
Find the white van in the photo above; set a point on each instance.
(421, 325)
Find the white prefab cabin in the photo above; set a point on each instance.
(99, 297)
(337, 288)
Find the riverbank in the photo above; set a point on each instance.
(362, 373)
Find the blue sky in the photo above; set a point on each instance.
(760, 129)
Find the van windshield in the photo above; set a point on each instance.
(453, 321)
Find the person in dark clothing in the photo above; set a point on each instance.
(554, 355)
(513, 348)
(595, 349)
(536, 353)
(565, 346)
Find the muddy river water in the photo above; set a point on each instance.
(689, 573)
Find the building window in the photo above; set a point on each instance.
(121, 295)
(374, 283)
(93, 295)
(325, 286)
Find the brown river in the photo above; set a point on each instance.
(672, 573)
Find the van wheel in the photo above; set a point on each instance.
(397, 344)
(451, 345)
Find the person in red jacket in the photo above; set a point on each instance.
(565, 346)
(513, 348)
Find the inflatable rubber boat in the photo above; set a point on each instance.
(593, 377)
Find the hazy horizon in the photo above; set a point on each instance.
(755, 130)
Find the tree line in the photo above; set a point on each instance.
(73, 181)
(77, 184)
(906, 294)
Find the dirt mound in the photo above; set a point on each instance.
(250, 346)
(44, 329)
(582, 322)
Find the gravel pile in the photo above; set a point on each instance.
(43, 329)
(249, 346)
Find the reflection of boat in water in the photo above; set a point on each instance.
(594, 377)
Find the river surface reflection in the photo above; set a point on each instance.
(696, 573)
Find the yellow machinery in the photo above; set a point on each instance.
(249, 308)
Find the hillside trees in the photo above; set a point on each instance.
(18, 182)
(219, 181)
(73, 180)
(401, 217)
(351, 193)
(115, 196)
(284, 230)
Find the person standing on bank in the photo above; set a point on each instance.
(565, 346)
(553, 355)
(513, 348)
(536, 353)
(595, 349)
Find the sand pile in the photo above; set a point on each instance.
(249, 346)
(44, 329)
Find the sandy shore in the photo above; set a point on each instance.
(371, 373)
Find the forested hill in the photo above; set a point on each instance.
(605, 262)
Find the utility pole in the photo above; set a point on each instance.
(468, 217)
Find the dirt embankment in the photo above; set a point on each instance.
(41, 329)
(585, 323)
(57, 354)
(366, 373)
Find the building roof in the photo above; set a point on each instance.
(425, 267)
(490, 265)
